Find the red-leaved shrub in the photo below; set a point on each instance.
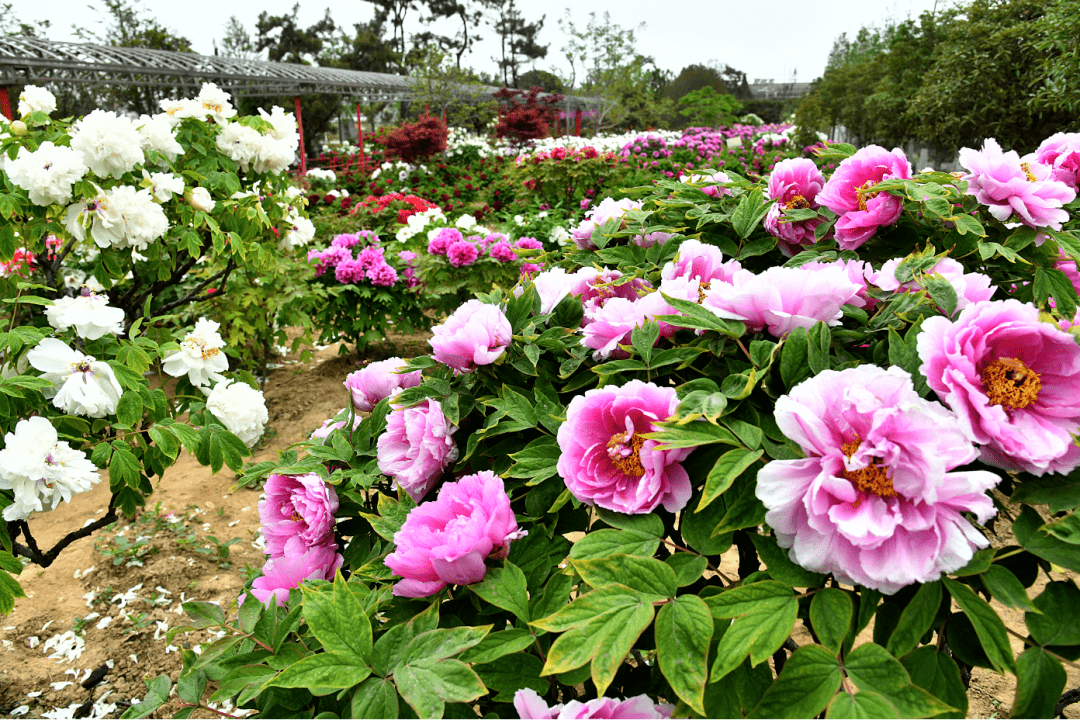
(526, 121)
(413, 141)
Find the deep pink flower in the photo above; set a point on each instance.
(850, 194)
(1023, 191)
(345, 240)
(462, 253)
(874, 501)
(407, 256)
(1011, 379)
(607, 326)
(416, 447)
(783, 298)
(350, 271)
(285, 573)
(370, 257)
(443, 239)
(329, 258)
(475, 334)
(379, 380)
(297, 514)
(608, 209)
(604, 461)
(382, 275)
(529, 243)
(700, 261)
(970, 287)
(503, 252)
(330, 425)
(653, 238)
(1068, 266)
(530, 705)
(596, 287)
(794, 185)
(1061, 152)
(446, 541)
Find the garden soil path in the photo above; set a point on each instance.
(123, 610)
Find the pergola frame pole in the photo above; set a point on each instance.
(300, 127)
(5, 104)
(360, 138)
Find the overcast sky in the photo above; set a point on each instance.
(779, 39)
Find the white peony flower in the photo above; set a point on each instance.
(122, 218)
(158, 133)
(82, 385)
(241, 409)
(300, 231)
(163, 185)
(41, 469)
(559, 235)
(240, 143)
(109, 143)
(274, 156)
(89, 313)
(200, 356)
(465, 222)
(47, 173)
(284, 125)
(199, 198)
(36, 99)
(176, 110)
(215, 103)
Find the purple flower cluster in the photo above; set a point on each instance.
(369, 264)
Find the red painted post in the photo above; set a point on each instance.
(360, 139)
(5, 104)
(444, 116)
(303, 153)
(577, 123)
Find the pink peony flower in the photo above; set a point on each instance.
(604, 461)
(1011, 379)
(446, 541)
(475, 334)
(794, 185)
(715, 188)
(379, 380)
(650, 239)
(462, 253)
(552, 285)
(596, 287)
(329, 425)
(529, 243)
(371, 257)
(297, 514)
(970, 287)
(416, 447)
(530, 705)
(407, 256)
(382, 275)
(700, 261)
(607, 326)
(443, 240)
(1024, 191)
(1068, 266)
(849, 193)
(328, 258)
(503, 252)
(284, 573)
(1061, 152)
(345, 240)
(858, 272)
(783, 298)
(598, 217)
(874, 501)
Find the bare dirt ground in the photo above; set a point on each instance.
(179, 550)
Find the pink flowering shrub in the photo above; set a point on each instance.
(297, 514)
(850, 194)
(605, 461)
(794, 184)
(445, 541)
(875, 502)
(1011, 379)
(476, 334)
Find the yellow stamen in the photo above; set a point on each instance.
(1010, 382)
(627, 464)
(864, 194)
(701, 288)
(1026, 167)
(797, 203)
(872, 479)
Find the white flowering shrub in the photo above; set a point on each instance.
(110, 229)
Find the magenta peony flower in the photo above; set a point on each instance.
(1068, 266)
(794, 185)
(382, 275)
(783, 298)
(1024, 191)
(475, 334)
(462, 253)
(1061, 152)
(607, 326)
(604, 461)
(345, 240)
(503, 252)
(297, 514)
(446, 541)
(350, 271)
(700, 261)
(328, 258)
(443, 240)
(530, 705)
(849, 193)
(379, 380)
(416, 447)
(970, 287)
(1011, 379)
(529, 243)
(596, 287)
(284, 573)
(407, 256)
(371, 257)
(874, 501)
